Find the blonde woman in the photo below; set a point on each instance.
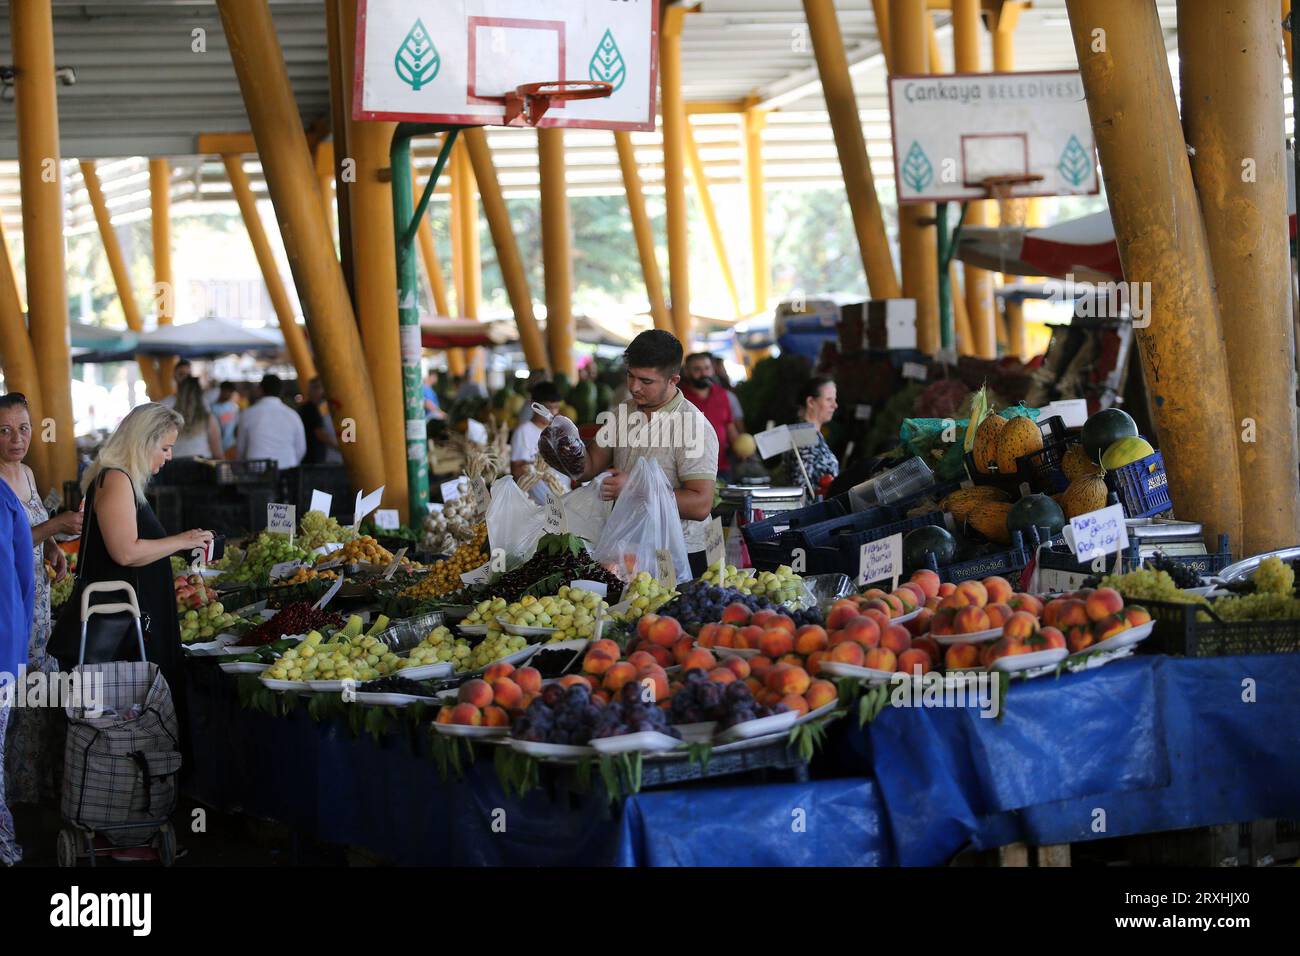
(200, 436)
(121, 539)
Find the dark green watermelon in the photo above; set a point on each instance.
(928, 539)
(562, 385)
(1105, 428)
(1035, 511)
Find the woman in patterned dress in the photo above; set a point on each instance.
(33, 745)
(817, 404)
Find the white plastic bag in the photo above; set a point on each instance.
(644, 520)
(514, 522)
(585, 514)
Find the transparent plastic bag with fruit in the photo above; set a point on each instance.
(644, 520)
(560, 445)
(515, 522)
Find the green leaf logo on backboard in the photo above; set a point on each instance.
(917, 171)
(1075, 164)
(417, 59)
(607, 64)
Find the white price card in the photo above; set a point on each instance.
(321, 502)
(284, 569)
(553, 522)
(715, 546)
(388, 519)
(881, 560)
(773, 442)
(1099, 533)
(330, 565)
(595, 587)
(280, 519)
(803, 434)
(451, 490)
(367, 504)
(914, 371)
(329, 595)
(478, 493)
(862, 413)
(476, 432)
(664, 570)
(393, 565)
(479, 575)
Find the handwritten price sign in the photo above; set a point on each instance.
(881, 560)
(1099, 533)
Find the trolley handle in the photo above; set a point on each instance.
(130, 606)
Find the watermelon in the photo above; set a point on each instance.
(1035, 511)
(928, 539)
(1105, 428)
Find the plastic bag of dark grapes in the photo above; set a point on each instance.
(560, 445)
(644, 521)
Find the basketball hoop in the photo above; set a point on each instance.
(1011, 211)
(529, 102)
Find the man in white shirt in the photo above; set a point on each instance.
(271, 429)
(523, 443)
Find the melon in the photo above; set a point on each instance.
(1035, 511)
(1125, 452)
(1084, 494)
(984, 452)
(1105, 428)
(744, 446)
(1076, 464)
(990, 519)
(1020, 436)
(928, 539)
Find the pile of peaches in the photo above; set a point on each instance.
(492, 700)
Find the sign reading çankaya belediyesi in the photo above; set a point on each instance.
(953, 133)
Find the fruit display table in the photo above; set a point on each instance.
(382, 797)
(1142, 745)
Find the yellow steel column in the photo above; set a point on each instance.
(1016, 341)
(456, 356)
(286, 163)
(674, 121)
(1286, 34)
(340, 43)
(507, 247)
(932, 44)
(470, 257)
(37, 114)
(429, 253)
(645, 240)
(880, 10)
(842, 104)
(978, 282)
(917, 240)
(374, 287)
(960, 317)
(701, 179)
(464, 235)
(294, 339)
(324, 160)
(755, 120)
(164, 281)
(1162, 247)
(556, 239)
(19, 361)
(121, 275)
(1231, 81)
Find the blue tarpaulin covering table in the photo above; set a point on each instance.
(1141, 745)
(386, 798)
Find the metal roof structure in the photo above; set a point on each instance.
(151, 75)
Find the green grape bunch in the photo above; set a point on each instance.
(316, 530)
(1147, 584)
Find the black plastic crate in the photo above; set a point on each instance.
(1179, 632)
(255, 471)
(777, 755)
(1143, 487)
(330, 479)
(1007, 563)
(1036, 468)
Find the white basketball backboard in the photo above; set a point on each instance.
(954, 132)
(453, 61)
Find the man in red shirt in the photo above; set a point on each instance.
(697, 385)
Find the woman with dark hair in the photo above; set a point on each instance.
(817, 405)
(200, 437)
(31, 758)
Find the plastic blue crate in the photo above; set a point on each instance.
(849, 543)
(765, 530)
(1007, 564)
(1060, 558)
(820, 534)
(1143, 487)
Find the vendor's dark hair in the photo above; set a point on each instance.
(656, 349)
(272, 386)
(696, 355)
(13, 400)
(812, 388)
(544, 392)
